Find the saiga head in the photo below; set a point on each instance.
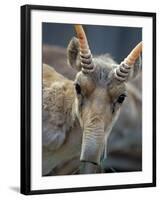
(100, 92)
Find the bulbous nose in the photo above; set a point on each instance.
(93, 144)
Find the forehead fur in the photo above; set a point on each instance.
(104, 65)
(101, 77)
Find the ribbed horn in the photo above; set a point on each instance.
(85, 53)
(123, 70)
(133, 56)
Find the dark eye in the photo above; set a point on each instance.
(78, 88)
(121, 98)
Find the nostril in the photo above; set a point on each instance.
(59, 125)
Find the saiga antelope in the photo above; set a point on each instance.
(90, 105)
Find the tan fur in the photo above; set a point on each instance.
(58, 120)
(58, 95)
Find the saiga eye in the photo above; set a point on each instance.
(78, 88)
(121, 98)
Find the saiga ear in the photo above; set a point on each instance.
(78, 52)
(73, 54)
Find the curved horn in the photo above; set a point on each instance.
(134, 54)
(85, 53)
(123, 70)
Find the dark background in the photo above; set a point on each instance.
(117, 41)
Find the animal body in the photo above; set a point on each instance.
(78, 115)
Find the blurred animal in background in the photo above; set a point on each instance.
(78, 115)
